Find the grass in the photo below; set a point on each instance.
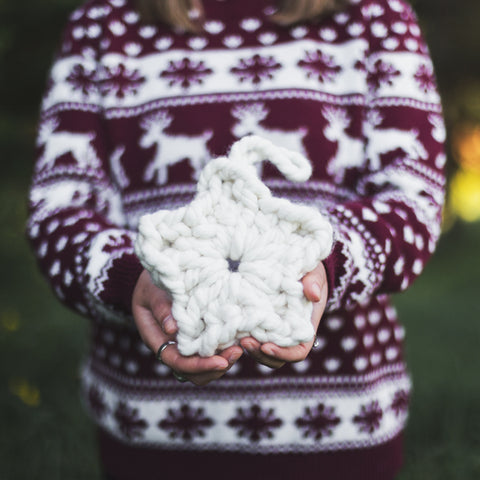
(45, 432)
(443, 333)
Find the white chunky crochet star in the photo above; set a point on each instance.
(233, 259)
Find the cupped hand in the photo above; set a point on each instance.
(151, 308)
(315, 288)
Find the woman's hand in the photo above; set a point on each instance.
(151, 307)
(315, 288)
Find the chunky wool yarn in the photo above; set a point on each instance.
(234, 257)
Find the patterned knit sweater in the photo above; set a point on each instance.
(131, 114)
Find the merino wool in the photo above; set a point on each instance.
(133, 112)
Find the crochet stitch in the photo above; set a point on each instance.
(233, 258)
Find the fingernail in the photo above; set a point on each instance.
(233, 358)
(249, 345)
(316, 292)
(221, 367)
(269, 350)
(169, 324)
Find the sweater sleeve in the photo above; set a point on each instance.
(388, 230)
(76, 227)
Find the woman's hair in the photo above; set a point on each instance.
(188, 14)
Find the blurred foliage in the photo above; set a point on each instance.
(45, 432)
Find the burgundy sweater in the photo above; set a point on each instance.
(131, 113)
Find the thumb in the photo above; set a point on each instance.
(315, 284)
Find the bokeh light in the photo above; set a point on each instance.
(464, 187)
(466, 146)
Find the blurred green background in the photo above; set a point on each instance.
(44, 432)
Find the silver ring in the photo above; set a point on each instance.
(179, 377)
(162, 348)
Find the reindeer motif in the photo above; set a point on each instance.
(118, 172)
(171, 149)
(425, 194)
(71, 194)
(383, 140)
(350, 151)
(51, 198)
(59, 143)
(249, 118)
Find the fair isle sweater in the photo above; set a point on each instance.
(131, 114)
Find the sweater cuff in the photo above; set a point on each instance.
(123, 277)
(334, 267)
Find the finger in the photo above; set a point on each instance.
(231, 354)
(314, 284)
(254, 349)
(317, 312)
(149, 329)
(297, 353)
(169, 325)
(162, 311)
(193, 364)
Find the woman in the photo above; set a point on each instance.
(140, 96)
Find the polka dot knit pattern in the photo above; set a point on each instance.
(233, 258)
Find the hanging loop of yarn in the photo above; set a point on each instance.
(233, 259)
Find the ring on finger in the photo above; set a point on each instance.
(162, 348)
(179, 377)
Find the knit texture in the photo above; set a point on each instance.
(132, 112)
(233, 259)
